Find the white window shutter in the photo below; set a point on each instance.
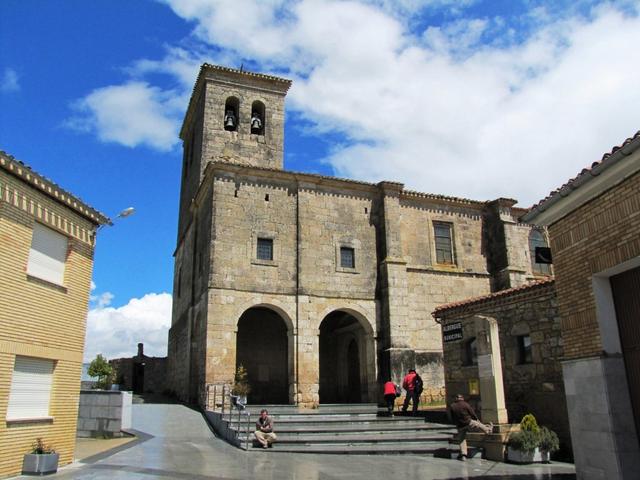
(48, 254)
(30, 388)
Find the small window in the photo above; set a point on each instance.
(524, 349)
(48, 254)
(30, 388)
(470, 354)
(347, 257)
(536, 239)
(444, 246)
(265, 249)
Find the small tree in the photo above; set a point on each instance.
(241, 386)
(99, 367)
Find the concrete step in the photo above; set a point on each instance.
(361, 427)
(362, 449)
(336, 419)
(323, 409)
(358, 438)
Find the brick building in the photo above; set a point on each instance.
(46, 259)
(594, 227)
(320, 287)
(528, 324)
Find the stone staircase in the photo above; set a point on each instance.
(339, 429)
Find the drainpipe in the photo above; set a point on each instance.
(297, 333)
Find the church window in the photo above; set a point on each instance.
(470, 354)
(257, 118)
(347, 257)
(524, 349)
(265, 249)
(444, 245)
(231, 114)
(266, 197)
(536, 239)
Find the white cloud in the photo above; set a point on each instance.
(132, 114)
(115, 332)
(475, 107)
(9, 81)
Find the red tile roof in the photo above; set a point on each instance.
(587, 173)
(502, 294)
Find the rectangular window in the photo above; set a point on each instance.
(524, 349)
(265, 249)
(30, 388)
(48, 254)
(444, 246)
(347, 257)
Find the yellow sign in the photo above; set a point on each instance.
(474, 387)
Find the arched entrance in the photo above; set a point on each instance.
(345, 361)
(262, 349)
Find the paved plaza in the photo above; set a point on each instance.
(175, 442)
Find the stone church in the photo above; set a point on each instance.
(321, 287)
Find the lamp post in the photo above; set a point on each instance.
(123, 214)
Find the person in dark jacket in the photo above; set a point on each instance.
(466, 420)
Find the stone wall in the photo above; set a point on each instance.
(534, 386)
(103, 413)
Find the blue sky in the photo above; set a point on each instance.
(469, 98)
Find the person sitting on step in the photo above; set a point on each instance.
(264, 429)
(466, 420)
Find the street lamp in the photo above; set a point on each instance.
(123, 214)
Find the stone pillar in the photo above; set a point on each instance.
(397, 352)
(490, 371)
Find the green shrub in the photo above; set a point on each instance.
(529, 423)
(525, 440)
(548, 440)
(99, 367)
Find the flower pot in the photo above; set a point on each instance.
(519, 456)
(40, 463)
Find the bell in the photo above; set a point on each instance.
(229, 121)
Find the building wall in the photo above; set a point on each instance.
(602, 235)
(39, 319)
(529, 387)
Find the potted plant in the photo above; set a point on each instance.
(549, 443)
(523, 446)
(241, 388)
(42, 460)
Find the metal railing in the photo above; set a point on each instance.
(226, 406)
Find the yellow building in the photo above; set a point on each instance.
(47, 241)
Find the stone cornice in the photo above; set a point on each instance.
(50, 189)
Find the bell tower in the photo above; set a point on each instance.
(239, 117)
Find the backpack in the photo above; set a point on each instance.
(418, 384)
(398, 391)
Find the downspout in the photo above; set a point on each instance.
(297, 333)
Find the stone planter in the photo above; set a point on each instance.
(518, 456)
(40, 463)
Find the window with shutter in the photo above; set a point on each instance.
(30, 388)
(48, 254)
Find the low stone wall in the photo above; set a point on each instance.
(104, 413)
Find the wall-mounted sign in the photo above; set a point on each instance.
(452, 332)
(474, 387)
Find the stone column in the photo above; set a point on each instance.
(490, 371)
(397, 352)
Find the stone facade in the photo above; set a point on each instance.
(42, 319)
(594, 227)
(532, 379)
(347, 324)
(141, 374)
(104, 414)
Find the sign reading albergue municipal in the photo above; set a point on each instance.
(452, 332)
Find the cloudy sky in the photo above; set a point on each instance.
(472, 98)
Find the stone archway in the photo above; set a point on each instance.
(345, 349)
(262, 348)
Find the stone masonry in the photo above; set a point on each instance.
(374, 314)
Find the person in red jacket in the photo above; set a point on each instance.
(412, 395)
(390, 396)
